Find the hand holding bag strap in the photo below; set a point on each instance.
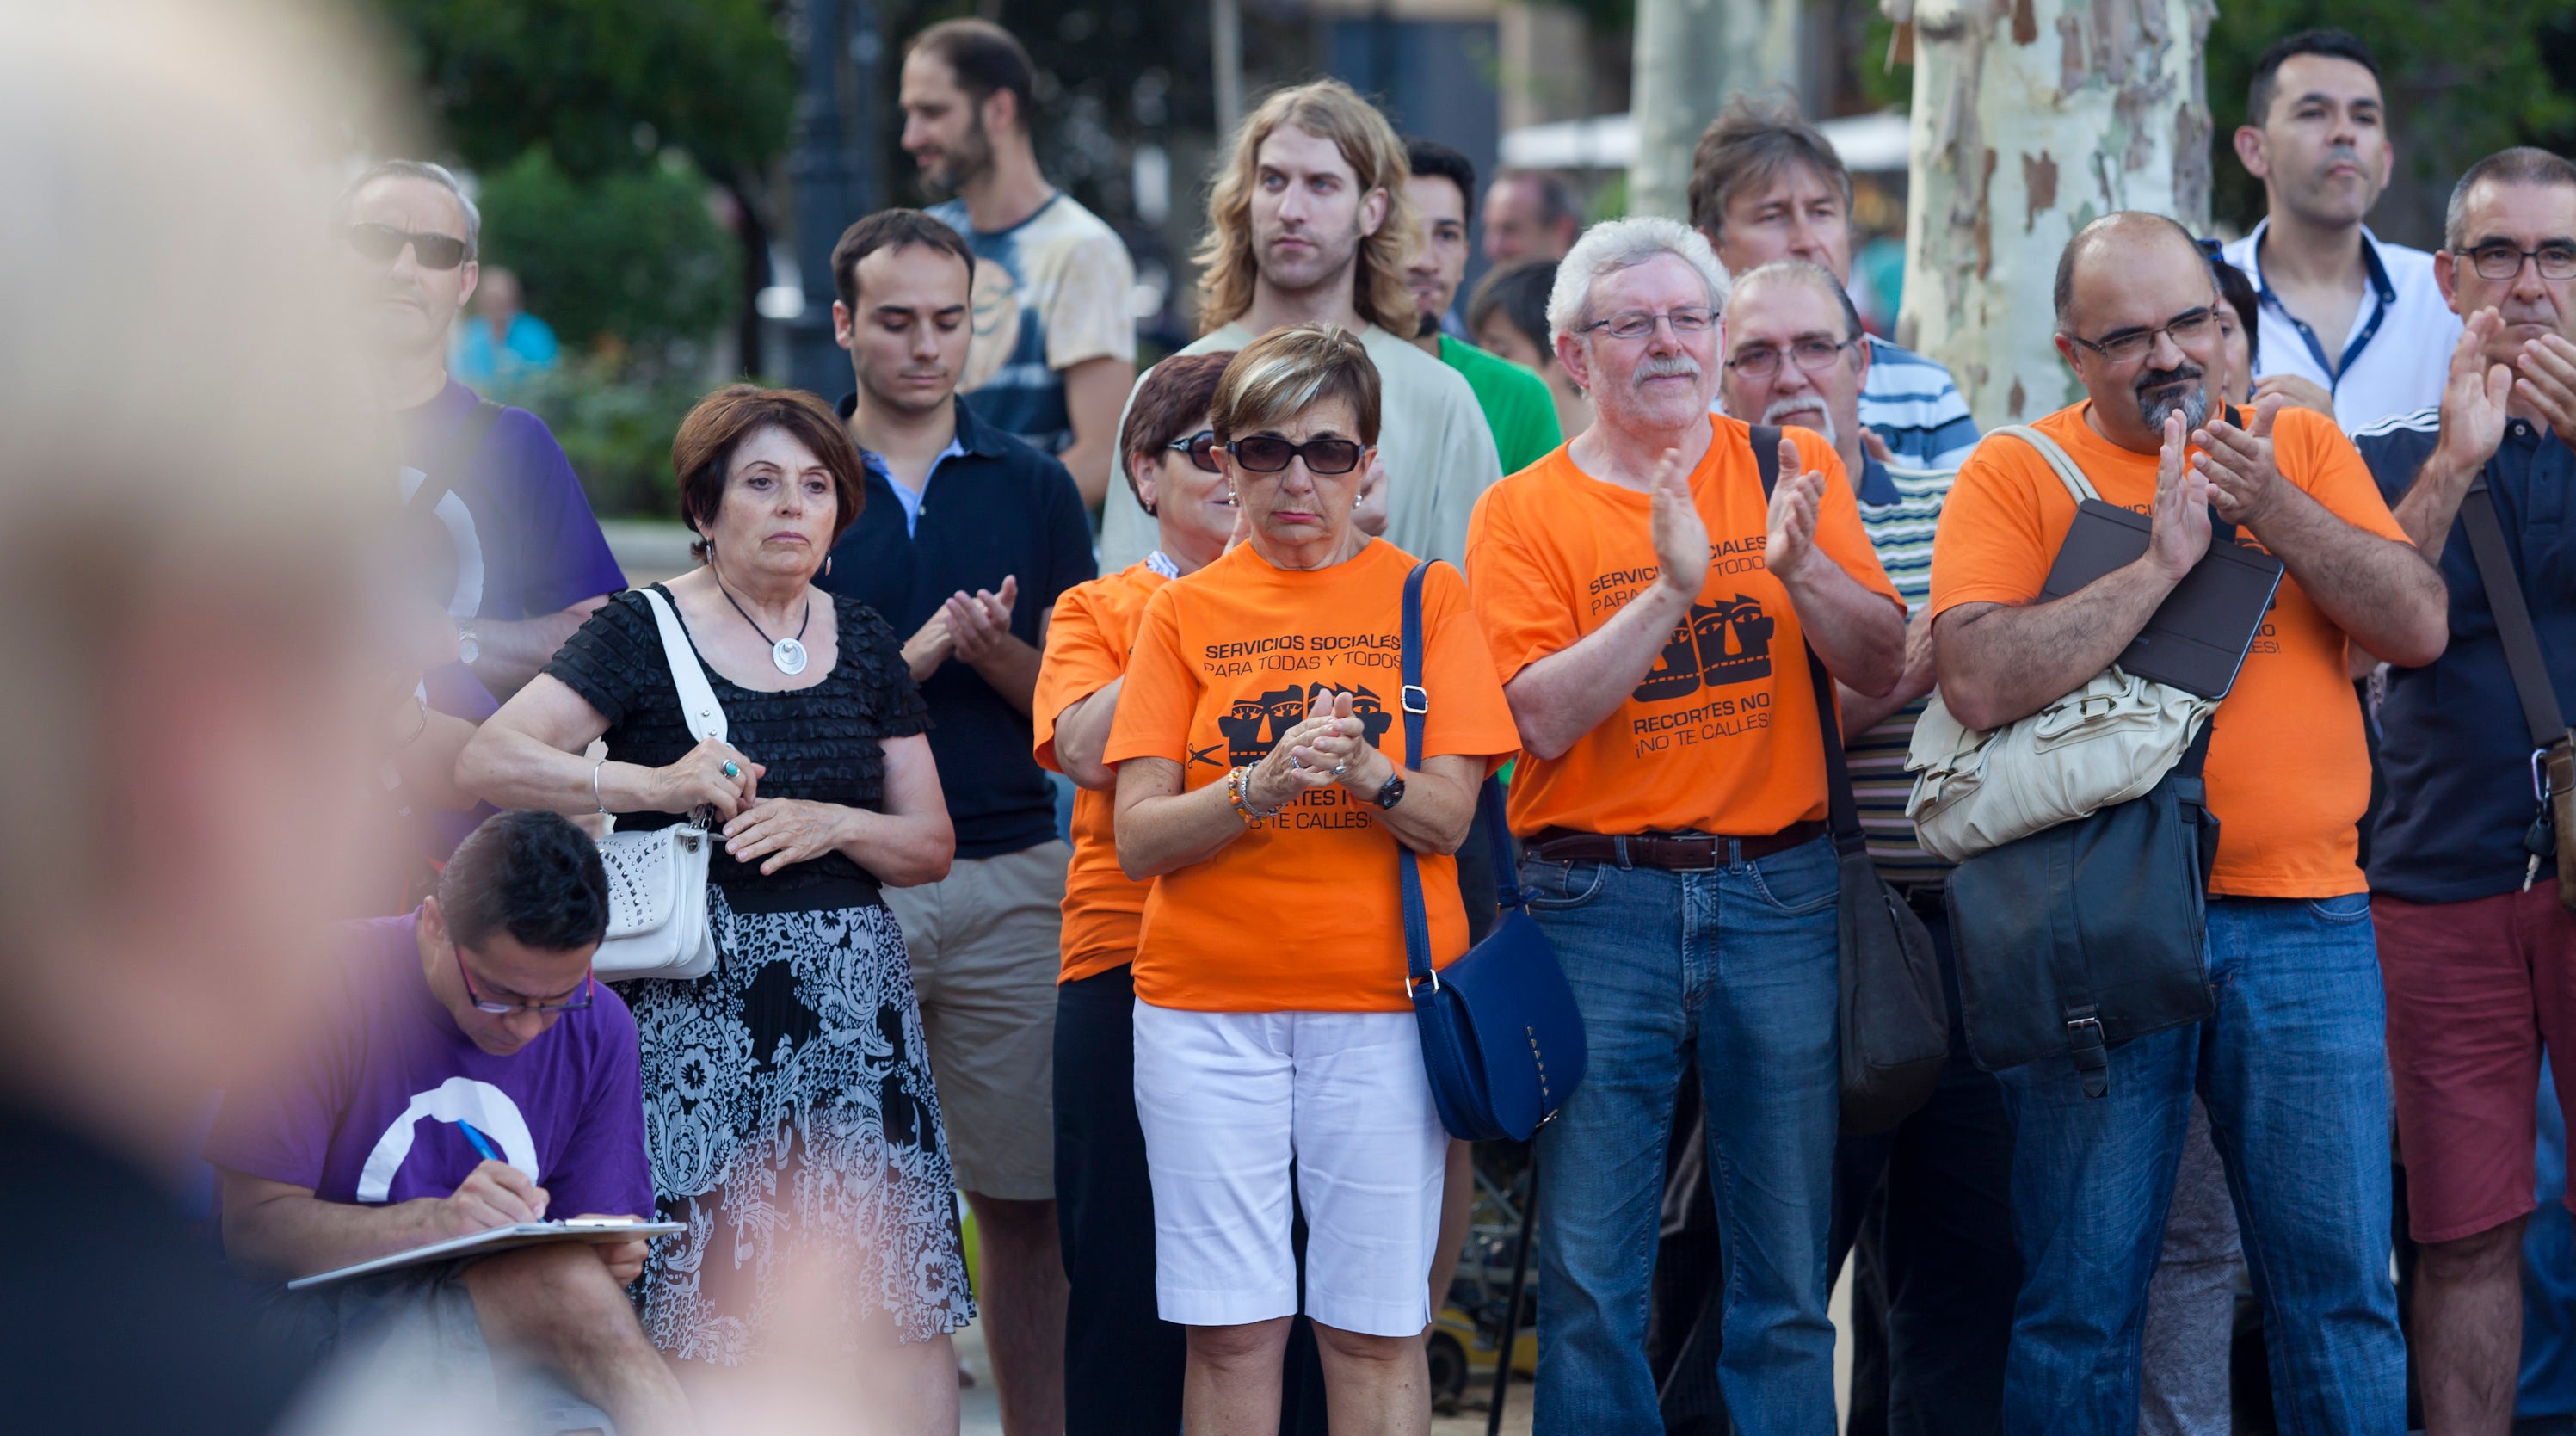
(1416, 702)
(698, 707)
(2522, 657)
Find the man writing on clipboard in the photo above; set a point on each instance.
(472, 1075)
(2291, 1066)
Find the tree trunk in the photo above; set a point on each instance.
(1692, 57)
(2031, 119)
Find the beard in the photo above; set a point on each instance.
(2161, 393)
(962, 163)
(1328, 260)
(1818, 417)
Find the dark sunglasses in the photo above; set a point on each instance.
(384, 244)
(1201, 447)
(1268, 454)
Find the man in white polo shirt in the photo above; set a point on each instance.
(2347, 320)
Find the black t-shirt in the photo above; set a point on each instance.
(999, 507)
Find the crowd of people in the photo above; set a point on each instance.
(1363, 548)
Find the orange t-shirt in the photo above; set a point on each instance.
(1721, 737)
(2288, 775)
(1086, 651)
(1302, 913)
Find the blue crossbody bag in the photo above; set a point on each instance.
(1502, 1041)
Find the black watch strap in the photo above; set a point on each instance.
(1391, 792)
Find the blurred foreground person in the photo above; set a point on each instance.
(789, 1105)
(190, 745)
(471, 1074)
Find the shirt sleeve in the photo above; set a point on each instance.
(565, 558)
(901, 711)
(1068, 544)
(1838, 528)
(2332, 472)
(1467, 466)
(1089, 316)
(610, 658)
(1468, 715)
(1531, 424)
(1526, 613)
(281, 1130)
(604, 1169)
(1161, 693)
(2394, 457)
(1080, 661)
(1988, 547)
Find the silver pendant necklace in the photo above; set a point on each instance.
(787, 653)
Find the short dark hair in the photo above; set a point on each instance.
(1173, 400)
(702, 451)
(2265, 87)
(1555, 196)
(2520, 165)
(890, 229)
(1754, 138)
(1434, 159)
(1517, 291)
(986, 58)
(530, 874)
(2239, 293)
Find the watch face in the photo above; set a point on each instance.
(467, 650)
(1391, 794)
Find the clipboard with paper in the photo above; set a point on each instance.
(593, 1230)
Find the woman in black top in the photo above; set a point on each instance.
(787, 1094)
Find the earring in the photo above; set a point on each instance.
(827, 565)
(1152, 512)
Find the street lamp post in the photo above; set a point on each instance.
(832, 170)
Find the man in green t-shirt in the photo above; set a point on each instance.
(1517, 405)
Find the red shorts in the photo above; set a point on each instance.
(2474, 991)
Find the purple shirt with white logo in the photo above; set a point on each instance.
(370, 1112)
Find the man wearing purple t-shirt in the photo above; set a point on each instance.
(471, 1074)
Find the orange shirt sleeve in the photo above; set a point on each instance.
(2332, 472)
(1989, 547)
(1080, 661)
(1154, 707)
(1468, 715)
(1525, 610)
(1838, 529)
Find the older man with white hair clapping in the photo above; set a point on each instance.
(1649, 611)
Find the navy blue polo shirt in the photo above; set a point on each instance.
(2453, 744)
(993, 506)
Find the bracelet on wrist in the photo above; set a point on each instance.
(1238, 787)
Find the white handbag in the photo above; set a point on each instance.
(2107, 742)
(657, 879)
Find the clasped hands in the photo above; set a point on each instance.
(780, 830)
(967, 627)
(1328, 746)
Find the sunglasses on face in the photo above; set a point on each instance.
(1201, 447)
(1269, 454)
(383, 244)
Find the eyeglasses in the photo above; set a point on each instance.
(1201, 447)
(1637, 323)
(1815, 356)
(2503, 261)
(384, 244)
(1269, 454)
(2130, 345)
(504, 1009)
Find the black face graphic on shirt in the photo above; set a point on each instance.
(1714, 645)
(1253, 727)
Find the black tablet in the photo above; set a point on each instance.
(2198, 637)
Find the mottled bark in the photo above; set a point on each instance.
(1692, 57)
(2032, 118)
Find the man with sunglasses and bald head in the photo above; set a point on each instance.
(514, 556)
(2291, 1065)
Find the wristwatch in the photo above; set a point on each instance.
(467, 649)
(1393, 793)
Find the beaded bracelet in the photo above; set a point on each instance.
(1238, 790)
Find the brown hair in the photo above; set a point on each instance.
(1290, 370)
(703, 451)
(1330, 110)
(1753, 139)
(890, 229)
(985, 58)
(1173, 400)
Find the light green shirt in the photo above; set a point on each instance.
(1439, 455)
(1518, 408)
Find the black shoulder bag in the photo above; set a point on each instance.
(1502, 1041)
(1895, 1023)
(2553, 746)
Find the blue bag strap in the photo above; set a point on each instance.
(1507, 883)
(1417, 922)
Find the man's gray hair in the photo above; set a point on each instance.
(1814, 276)
(2522, 165)
(436, 174)
(1617, 244)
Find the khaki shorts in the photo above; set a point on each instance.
(985, 945)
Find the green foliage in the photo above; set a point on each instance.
(633, 260)
(614, 426)
(604, 85)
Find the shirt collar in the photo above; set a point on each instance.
(1161, 562)
(1877, 485)
(974, 436)
(2375, 271)
(877, 465)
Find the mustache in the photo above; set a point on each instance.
(1664, 367)
(2193, 405)
(1804, 404)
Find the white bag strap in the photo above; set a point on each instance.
(698, 706)
(2057, 457)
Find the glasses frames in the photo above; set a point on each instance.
(1637, 323)
(589, 986)
(1201, 447)
(383, 244)
(1269, 454)
(2131, 345)
(1814, 356)
(2501, 261)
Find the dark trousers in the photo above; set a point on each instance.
(1122, 1363)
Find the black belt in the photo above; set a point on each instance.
(1678, 851)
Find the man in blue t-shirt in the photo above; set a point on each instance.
(2478, 955)
(470, 1073)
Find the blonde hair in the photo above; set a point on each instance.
(1290, 370)
(1329, 110)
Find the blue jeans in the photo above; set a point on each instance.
(2294, 1070)
(1737, 965)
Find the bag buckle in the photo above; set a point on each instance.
(1417, 699)
(2540, 773)
(1414, 984)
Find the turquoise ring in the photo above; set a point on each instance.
(732, 769)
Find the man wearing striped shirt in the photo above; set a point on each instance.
(1936, 1233)
(1767, 185)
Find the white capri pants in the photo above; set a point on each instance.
(1227, 1100)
